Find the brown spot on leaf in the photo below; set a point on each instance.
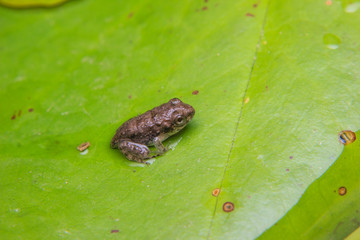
(131, 15)
(206, 1)
(129, 96)
(31, 110)
(13, 116)
(114, 231)
(228, 207)
(342, 191)
(195, 92)
(287, 170)
(83, 146)
(346, 137)
(19, 113)
(250, 15)
(204, 8)
(255, 5)
(216, 192)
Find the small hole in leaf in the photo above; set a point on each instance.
(228, 207)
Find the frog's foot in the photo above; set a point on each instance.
(135, 151)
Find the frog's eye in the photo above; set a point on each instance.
(179, 120)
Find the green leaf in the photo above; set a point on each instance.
(272, 98)
(31, 3)
(326, 210)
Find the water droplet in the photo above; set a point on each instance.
(347, 137)
(173, 145)
(228, 207)
(351, 6)
(84, 152)
(331, 41)
(149, 162)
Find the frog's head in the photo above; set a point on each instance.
(179, 115)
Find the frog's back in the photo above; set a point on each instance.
(138, 129)
(160, 122)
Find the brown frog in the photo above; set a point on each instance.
(151, 128)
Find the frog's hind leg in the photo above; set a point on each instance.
(135, 151)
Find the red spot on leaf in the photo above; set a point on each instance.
(287, 170)
(255, 5)
(129, 96)
(114, 231)
(196, 92)
(204, 8)
(291, 157)
(31, 110)
(250, 15)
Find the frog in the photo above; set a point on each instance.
(134, 137)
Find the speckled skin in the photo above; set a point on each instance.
(151, 129)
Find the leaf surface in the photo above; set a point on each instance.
(272, 97)
(329, 209)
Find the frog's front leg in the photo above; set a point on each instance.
(134, 151)
(160, 149)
